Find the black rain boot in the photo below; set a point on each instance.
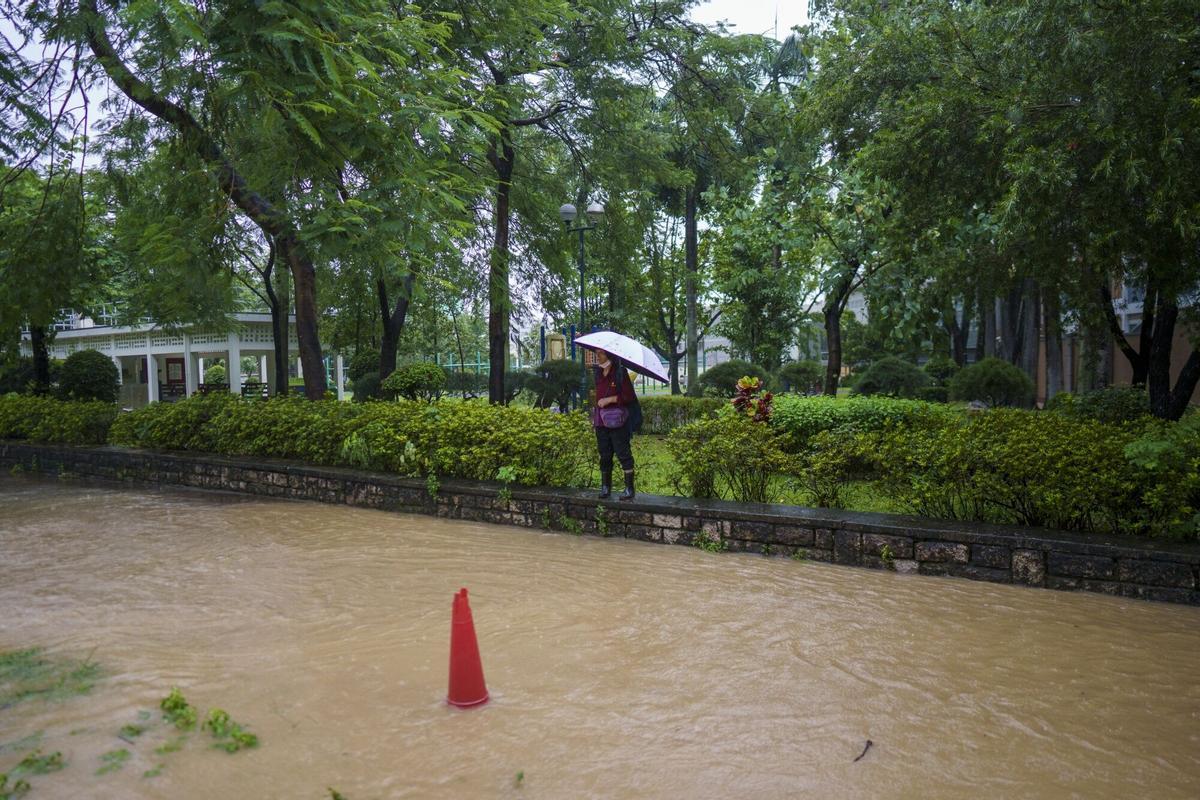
(629, 492)
(605, 484)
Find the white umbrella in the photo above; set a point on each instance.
(633, 353)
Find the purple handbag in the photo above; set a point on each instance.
(611, 417)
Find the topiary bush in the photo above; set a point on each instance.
(893, 377)
(801, 377)
(941, 369)
(721, 380)
(420, 381)
(363, 362)
(662, 414)
(45, 419)
(367, 388)
(215, 374)
(994, 382)
(89, 375)
(554, 382)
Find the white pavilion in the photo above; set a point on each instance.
(157, 364)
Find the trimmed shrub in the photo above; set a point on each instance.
(893, 377)
(172, 426)
(44, 419)
(367, 388)
(89, 375)
(941, 369)
(1116, 405)
(215, 374)
(994, 382)
(363, 362)
(662, 414)
(453, 439)
(721, 380)
(799, 419)
(801, 377)
(554, 382)
(730, 456)
(1038, 469)
(419, 381)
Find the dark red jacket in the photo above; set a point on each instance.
(606, 386)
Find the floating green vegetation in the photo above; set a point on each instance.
(230, 736)
(154, 773)
(19, 788)
(31, 674)
(178, 711)
(173, 746)
(37, 764)
(131, 731)
(520, 781)
(112, 761)
(334, 794)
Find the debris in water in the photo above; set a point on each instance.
(865, 749)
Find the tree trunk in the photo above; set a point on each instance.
(41, 359)
(1054, 344)
(833, 337)
(1028, 356)
(1159, 372)
(987, 312)
(1185, 386)
(501, 156)
(393, 323)
(304, 285)
(277, 302)
(958, 340)
(691, 267)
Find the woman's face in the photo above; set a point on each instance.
(602, 358)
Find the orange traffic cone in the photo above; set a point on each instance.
(466, 670)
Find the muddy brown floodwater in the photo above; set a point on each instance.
(617, 669)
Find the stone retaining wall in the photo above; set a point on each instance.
(1004, 554)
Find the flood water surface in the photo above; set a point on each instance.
(617, 669)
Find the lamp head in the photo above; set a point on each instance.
(567, 212)
(595, 212)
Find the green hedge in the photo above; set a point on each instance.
(662, 414)
(45, 419)
(1036, 468)
(453, 439)
(797, 419)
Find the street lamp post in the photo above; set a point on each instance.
(595, 213)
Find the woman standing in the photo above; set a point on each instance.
(612, 420)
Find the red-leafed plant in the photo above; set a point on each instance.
(750, 402)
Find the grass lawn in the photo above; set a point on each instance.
(655, 468)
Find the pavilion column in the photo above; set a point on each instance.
(234, 369)
(262, 368)
(200, 367)
(341, 378)
(299, 368)
(151, 374)
(120, 375)
(189, 367)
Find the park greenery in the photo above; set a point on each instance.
(391, 174)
